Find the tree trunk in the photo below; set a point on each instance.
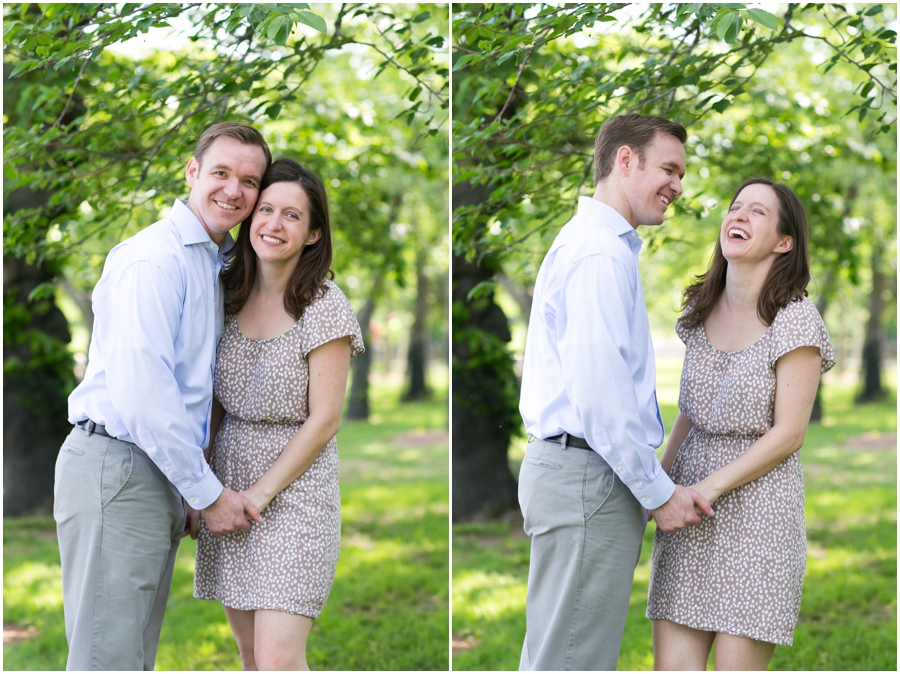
(873, 346)
(36, 383)
(358, 405)
(417, 356)
(38, 369)
(485, 388)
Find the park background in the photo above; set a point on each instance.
(103, 104)
(804, 94)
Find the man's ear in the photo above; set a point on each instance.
(625, 160)
(786, 245)
(192, 170)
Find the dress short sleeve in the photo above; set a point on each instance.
(680, 329)
(330, 317)
(799, 324)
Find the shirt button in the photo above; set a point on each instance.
(620, 469)
(168, 469)
(192, 500)
(643, 499)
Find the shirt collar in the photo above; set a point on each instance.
(192, 230)
(609, 217)
(605, 214)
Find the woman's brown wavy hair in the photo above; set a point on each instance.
(314, 265)
(786, 281)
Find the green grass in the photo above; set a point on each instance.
(848, 618)
(388, 608)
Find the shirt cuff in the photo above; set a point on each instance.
(655, 494)
(203, 493)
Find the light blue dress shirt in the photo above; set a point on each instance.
(158, 317)
(589, 368)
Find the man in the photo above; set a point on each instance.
(588, 400)
(134, 462)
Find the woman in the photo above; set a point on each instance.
(755, 348)
(281, 374)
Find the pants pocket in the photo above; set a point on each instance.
(118, 466)
(599, 481)
(72, 449)
(543, 463)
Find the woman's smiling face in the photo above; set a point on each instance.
(280, 229)
(750, 229)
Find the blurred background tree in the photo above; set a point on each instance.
(806, 96)
(103, 105)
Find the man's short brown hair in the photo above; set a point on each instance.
(635, 131)
(240, 132)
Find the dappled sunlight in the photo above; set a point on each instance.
(488, 596)
(33, 586)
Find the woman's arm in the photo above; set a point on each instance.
(796, 380)
(215, 420)
(680, 429)
(329, 365)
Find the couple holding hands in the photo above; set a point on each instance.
(730, 546)
(209, 408)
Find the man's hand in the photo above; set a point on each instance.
(679, 511)
(191, 522)
(229, 513)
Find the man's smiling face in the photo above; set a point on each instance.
(225, 184)
(656, 182)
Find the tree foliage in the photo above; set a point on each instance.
(806, 96)
(104, 103)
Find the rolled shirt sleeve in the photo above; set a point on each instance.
(144, 308)
(594, 347)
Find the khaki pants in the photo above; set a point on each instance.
(119, 522)
(586, 529)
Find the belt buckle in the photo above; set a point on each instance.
(90, 426)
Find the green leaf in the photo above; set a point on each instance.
(282, 36)
(274, 27)
(28, 64)
(273, 111)
(763, 17)
(724, 24)
(312, 20)
(419, 18)
(731, 35)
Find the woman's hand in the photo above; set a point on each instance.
(709, 492)
(257, 498)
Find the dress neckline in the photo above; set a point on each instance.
(740, 351)
(260, 341)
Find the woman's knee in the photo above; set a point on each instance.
(279, 659)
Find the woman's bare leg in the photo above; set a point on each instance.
(281, 640)
(742, 653)
(242, 626)
(680, 648)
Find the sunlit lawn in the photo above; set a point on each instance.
(389, 605)
(848, 618)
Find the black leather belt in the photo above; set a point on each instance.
(90, 428)
(571, 441)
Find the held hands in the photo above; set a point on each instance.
(229, 513)
(683, 509)
(191, 522)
